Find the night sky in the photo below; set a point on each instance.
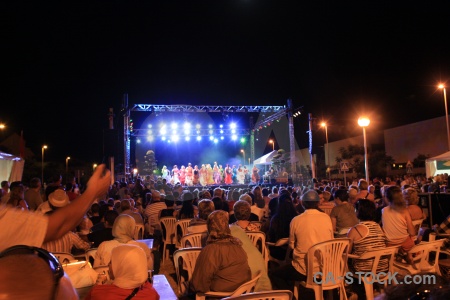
(65, 64)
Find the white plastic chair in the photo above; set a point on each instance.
(376, 256)
(193, 239)
(139, 231)
(329, 258)
(185, 259)
(266, 295)
(258, 239)
(168, 234)
(244, 288)
(64, 257)
(417, 224)
(90, 255)
(421, 261)
(180, 230)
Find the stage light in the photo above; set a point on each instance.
(138, 141)
(198, 126)
(233, 125)
(187, 139)
(187, 131)
(221, 126)
(216, 141)
(211, 131)
(221, 137)
(149, 131)
(163, 138)
(174, 125)
(242, 140)
(234, 137)
(149, 126)
(210, 126)
(211, 138)
(175, 138)
(233, 131)
(199, 138)
(198, 131)
(187, 125)
(221, 131)
(150, 138)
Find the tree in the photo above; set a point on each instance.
(419, 161)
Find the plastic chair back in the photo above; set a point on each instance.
(168, 233)
(193, 240)
(181, 230)
(139, 231)
(184, 260)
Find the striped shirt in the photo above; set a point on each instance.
(375, 239)
(65, 244)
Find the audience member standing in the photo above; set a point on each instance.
(33, 195)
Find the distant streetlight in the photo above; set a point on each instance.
(442, 87)
(243, 152)
(273, 144)
(324, 125)
(42, 170)
(93, 167)
(67, 165)
(364, 122)
(2, 126)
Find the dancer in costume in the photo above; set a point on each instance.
(228, 174)
(240, 175)
(255, 175)
(216, 173)
(209, 174)
(175, 175)
(234, 177)
(222, 174)
(189, 175)
(182, 175)
(203, 175)
(196, 178)
(166, 174)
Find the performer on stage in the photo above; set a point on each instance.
(166, 174)
(228, 174)
(196, 178)
(189, 175)
(222, 174)
(247, 175)
(234, 176)
(240, 175)
(255, 175)
(216, 173)
(203, 175)
(175, 175)
(209, 174)
(182, 175)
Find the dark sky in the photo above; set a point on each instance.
(64, 64)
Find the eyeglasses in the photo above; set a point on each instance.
(53, 262)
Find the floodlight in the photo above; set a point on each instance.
(242, 139)
(150, 138)
(163, 138)
(233, 131)
(221, 126)
(175, 138)
(233, 125)
(221, 137)
(199, 138)
(163, 131)
(210, 126)
(211, 131)
(221, 131)
(138, 141)
(211, 138)
(149, 126)
(174, 125)
(188, 138)
(198, 126)
(234, 137)
(216, 141)
(149, 131)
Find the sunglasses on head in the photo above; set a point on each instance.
(50, 259)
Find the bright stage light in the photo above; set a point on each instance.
(149, 125)
(198, 126)
(210, 126)
(221, 137)
(242, 140)
(163, 138)
(216, 141)
(199, 138)
(211, 131)
(221, 126)
(174, 125)
(211, 138)
(187, 139)
(175, 138)
(234, 137)
(138, 141)
(233, 131)
(233, 125)
(150, 138)
(221, 131)
(150, 132)
(198, 131)
(187, 131)
(163, 130)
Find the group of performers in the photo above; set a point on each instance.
(210, 175)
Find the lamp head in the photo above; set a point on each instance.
(363, 121)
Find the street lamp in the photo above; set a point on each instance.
(273, 144)
(93, 167)
(442, 87)
(324, 125)
(243, 152)
(42, 170)
(364, 122)
(67, 165)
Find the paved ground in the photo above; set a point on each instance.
(167, 268)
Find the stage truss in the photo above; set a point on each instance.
(271, 113)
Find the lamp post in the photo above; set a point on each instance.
(364, 122)
(324, 125)
(442, 87)
(273, 144)
(243, 152)
(42, 169)
(93, 167)
(67, 165)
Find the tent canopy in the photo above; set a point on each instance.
(11, 167)
(265, 159)
(438, 165)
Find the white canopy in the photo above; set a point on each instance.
(265, 159)
(438, 165)
(11, 167)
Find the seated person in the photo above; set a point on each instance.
(198, 224)
(412, 200)
(123, 232)
(343, 215)
(253, 217)
(222, 265)
(105, 234)
(366, 235)
(32, 273)
(129, 275)
(242, 211)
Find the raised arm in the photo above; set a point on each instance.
(67, 217)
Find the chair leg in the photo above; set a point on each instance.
(318, 292)
(343, 293)
(369, 290)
